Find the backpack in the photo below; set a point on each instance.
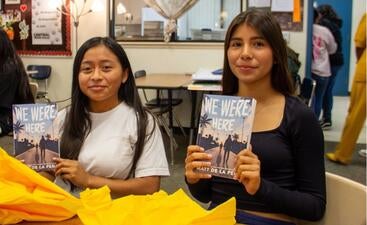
(293, 66)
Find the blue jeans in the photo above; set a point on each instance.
(327, 104)
(321, 85)
(250, 219)
(243, 217)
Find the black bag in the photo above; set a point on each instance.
(293, 66)
(293, 62)
(336, 59)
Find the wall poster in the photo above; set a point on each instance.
(288, 13)
(35, 27)
(12, 2)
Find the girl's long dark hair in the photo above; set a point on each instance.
(266, 25)
(327, 11)
(78, 123)
(12, 65)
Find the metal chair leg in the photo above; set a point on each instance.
(180, 126)
(173, 143)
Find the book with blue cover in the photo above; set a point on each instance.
(36, 134)
(225, 128)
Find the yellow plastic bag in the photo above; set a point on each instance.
(159, 208)
(26, 195)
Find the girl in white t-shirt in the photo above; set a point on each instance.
(108, 138)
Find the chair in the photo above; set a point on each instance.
(346, 202)
(42, 73)
(160, 103)
(160, 107)
(307, 91)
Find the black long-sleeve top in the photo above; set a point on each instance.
(9, 84)
(292, 169)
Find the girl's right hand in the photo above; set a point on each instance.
(195, 158)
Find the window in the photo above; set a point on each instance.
(207, 20)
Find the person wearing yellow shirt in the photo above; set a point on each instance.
(357, 108)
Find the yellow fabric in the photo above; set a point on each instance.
(360, 42)
(159, 208)
(26, 195)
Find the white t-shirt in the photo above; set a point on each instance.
(108, 149)
(323, 44)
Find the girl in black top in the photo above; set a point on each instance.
(14, 84)
(281, 176)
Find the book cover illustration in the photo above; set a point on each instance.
(225, 128)
(36, 134)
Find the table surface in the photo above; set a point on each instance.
(163, 81)
(72, 221)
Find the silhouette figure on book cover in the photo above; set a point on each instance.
(227, 149)
(43, 148)
(37, 155)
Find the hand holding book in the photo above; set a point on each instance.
(247, 170)
(196, 158)
(72, 170)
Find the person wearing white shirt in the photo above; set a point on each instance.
(323, 44)
(108, 138)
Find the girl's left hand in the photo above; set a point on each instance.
(247, 170)
(72, 171)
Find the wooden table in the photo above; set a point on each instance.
(172, 81)
(169, 82)
(72, 221)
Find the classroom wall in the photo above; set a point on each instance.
(59, 85)
(156, 57)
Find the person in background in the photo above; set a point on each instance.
(356, 117)
(14, 83)
(323, 44)
(330, 20)
(108, 138)
(281, 176)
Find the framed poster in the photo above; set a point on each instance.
(35, 28)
